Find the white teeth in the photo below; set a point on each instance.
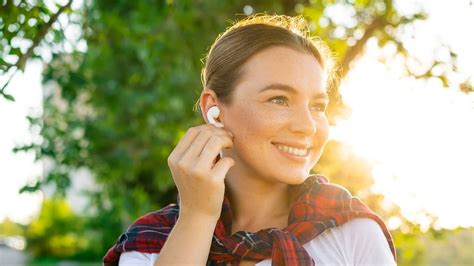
(293, 150)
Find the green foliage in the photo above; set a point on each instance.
(454, 247)
(410, 247)
(19, 20)
(435, 246)
(55, 232)
(24, 27)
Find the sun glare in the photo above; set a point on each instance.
(418, 137)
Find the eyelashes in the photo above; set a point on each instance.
(279, 100)
(282, 100)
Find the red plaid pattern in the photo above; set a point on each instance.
(319, 206)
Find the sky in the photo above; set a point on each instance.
(417, 135)
(17, 169)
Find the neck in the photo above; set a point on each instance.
(257, 203)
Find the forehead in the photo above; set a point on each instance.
(282, 65)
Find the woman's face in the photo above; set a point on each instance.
(277, 116)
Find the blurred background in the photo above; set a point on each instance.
(94, 95)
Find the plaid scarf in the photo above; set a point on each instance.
(319, 206)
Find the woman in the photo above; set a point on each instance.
(245, 193)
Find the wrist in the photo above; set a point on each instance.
(198, 217)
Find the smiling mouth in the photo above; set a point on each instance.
(300, 152)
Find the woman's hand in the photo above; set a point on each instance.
(199, 179)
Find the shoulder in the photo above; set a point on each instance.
(161, 219)
(147, 234)
(318, 188)
(152, 226)
(366, 239)
(164, 216)
(364, 231)
(360, 241)
(331, 203)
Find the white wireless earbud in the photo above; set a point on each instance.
(212, 115)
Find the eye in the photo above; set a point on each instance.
(281, 100)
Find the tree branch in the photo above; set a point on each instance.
(20, 64)
(354, 51)
(2, 90)
(38, 38)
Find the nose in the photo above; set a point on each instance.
(303, 121)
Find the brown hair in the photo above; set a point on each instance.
(232, 48)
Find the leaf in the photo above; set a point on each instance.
(31, 188)
(23, 148)
(8, 97)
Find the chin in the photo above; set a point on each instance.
(295, 178)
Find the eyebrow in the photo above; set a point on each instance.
(288, 88)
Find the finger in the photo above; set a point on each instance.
(186, 141)
(197, 146)
(222, 167)
(213, 147)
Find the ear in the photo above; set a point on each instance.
(208, 99)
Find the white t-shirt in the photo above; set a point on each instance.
(357, 242)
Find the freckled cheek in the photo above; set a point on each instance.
(262, 122)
